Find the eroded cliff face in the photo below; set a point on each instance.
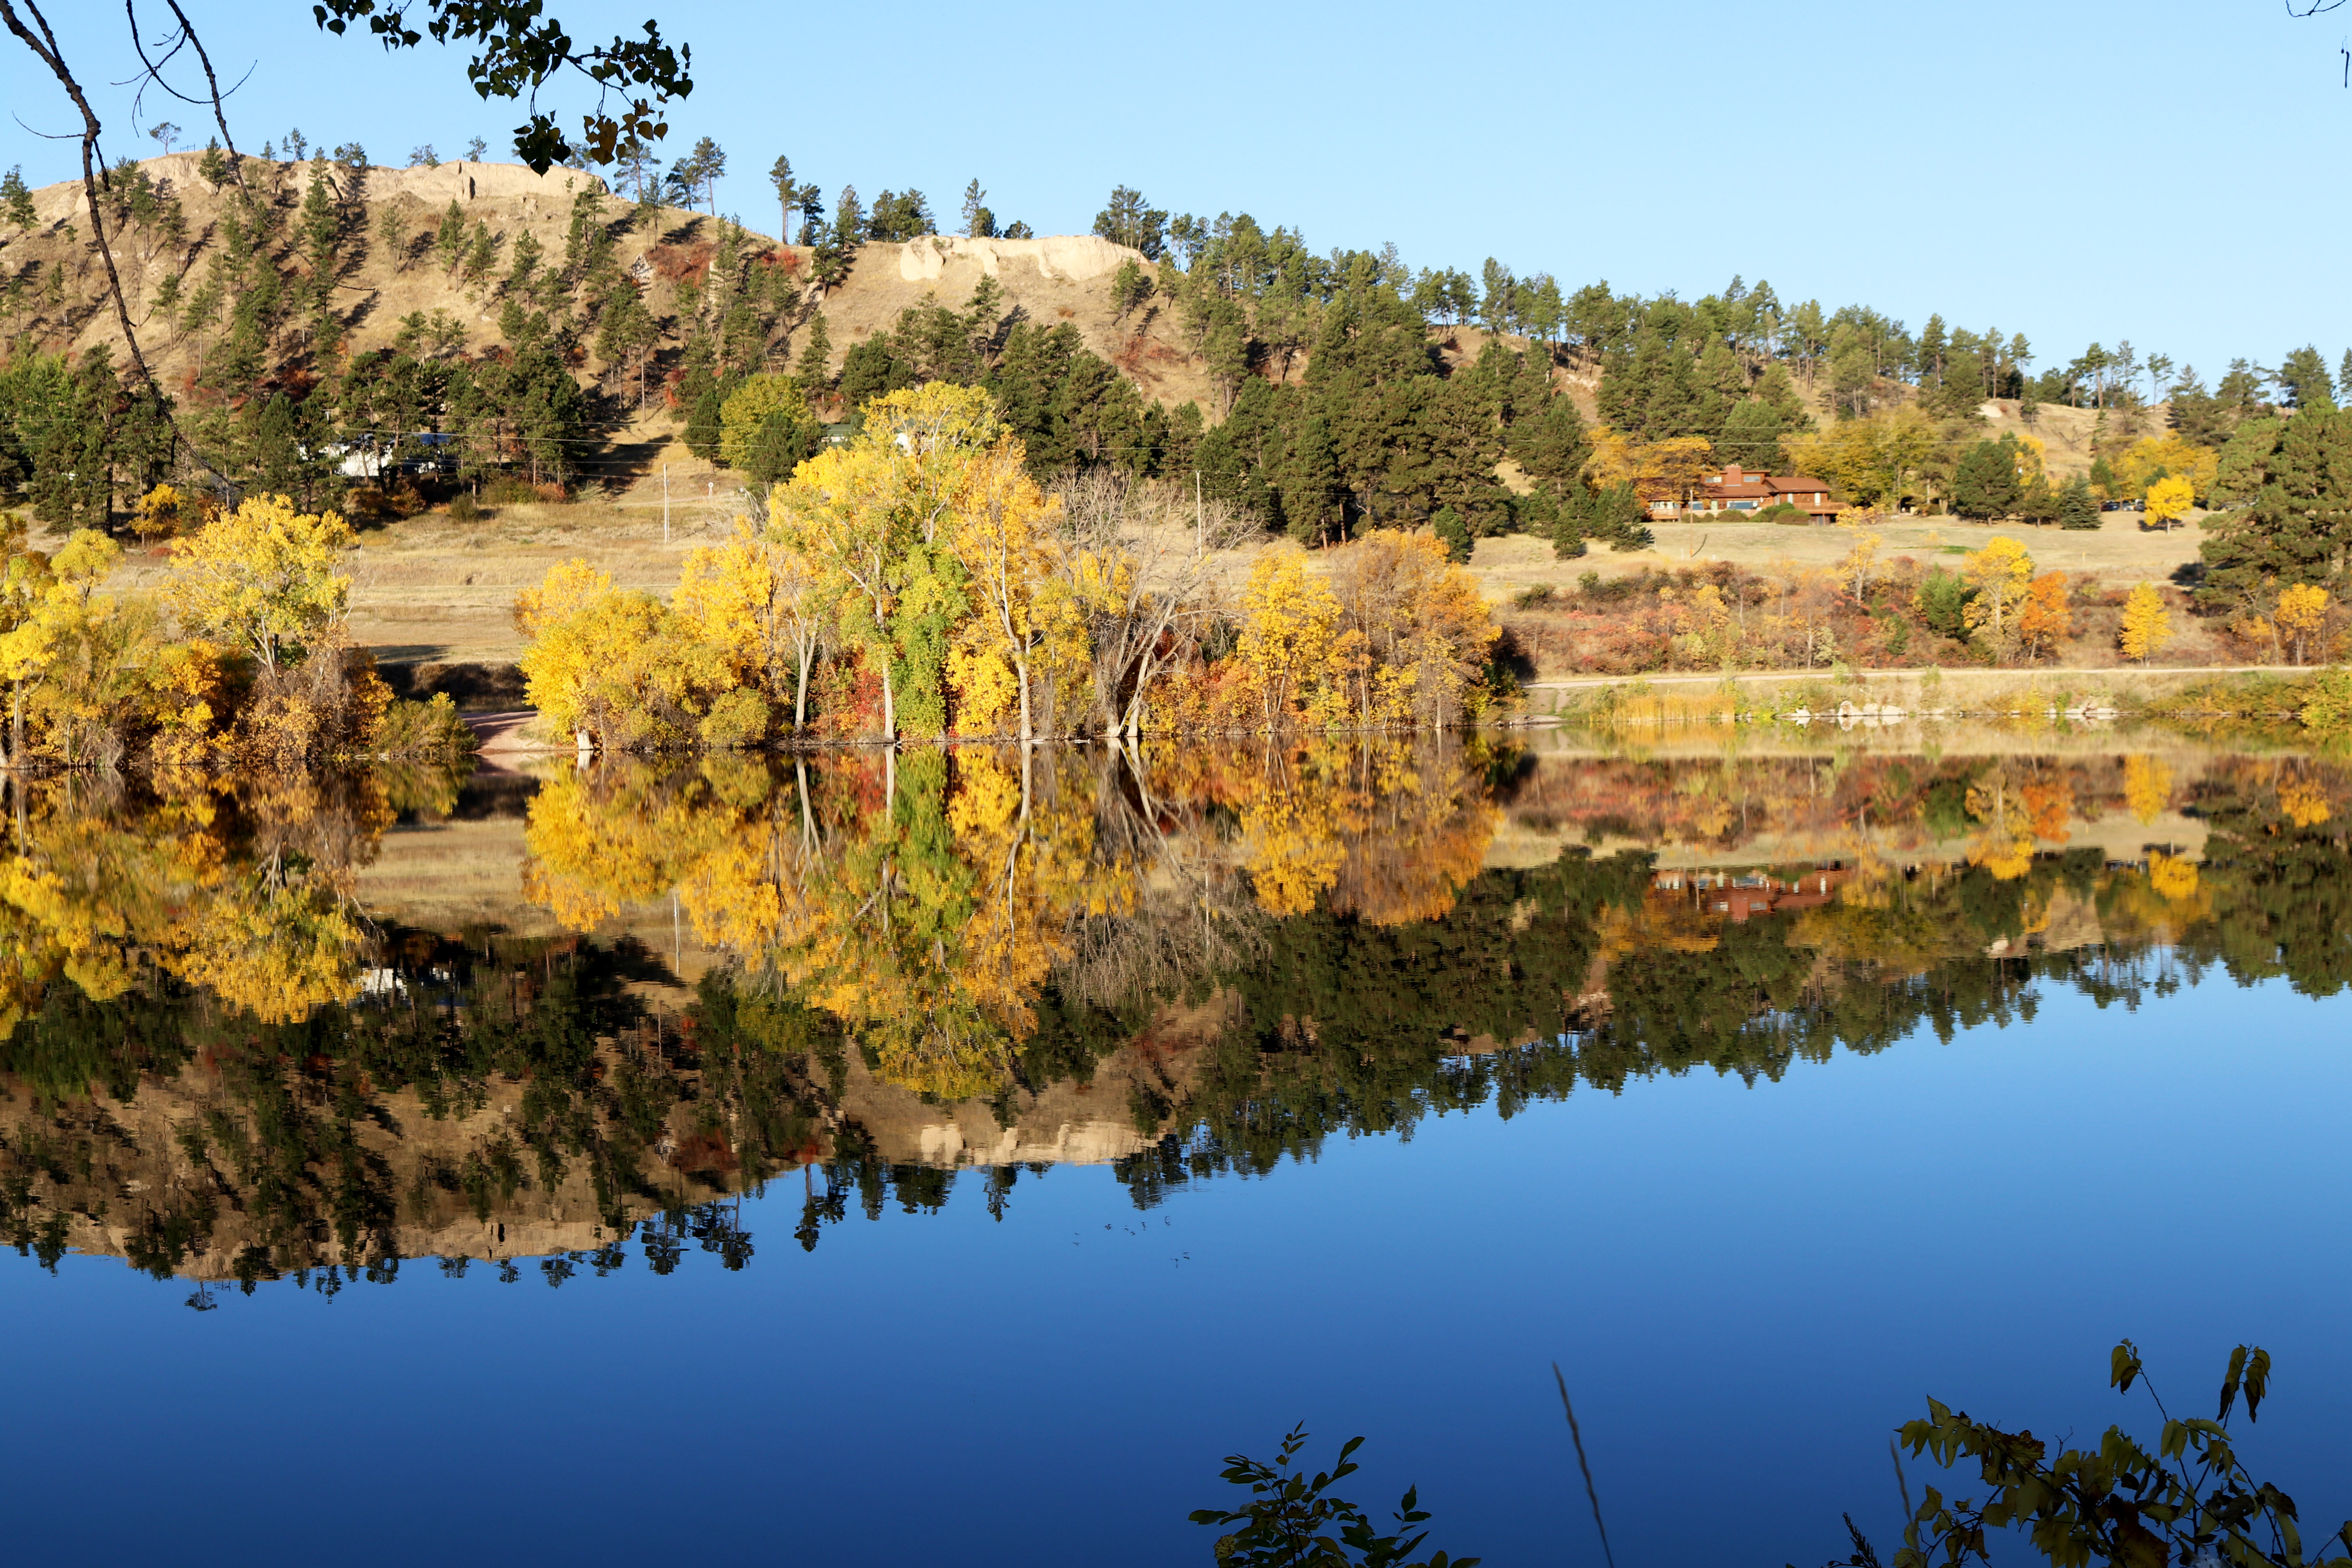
(236, 1169)
(1050, 279)
(1114, 1113)
(197, 1172)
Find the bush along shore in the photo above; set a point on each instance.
(2295, 707)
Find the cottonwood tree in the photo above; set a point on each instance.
(264, 578)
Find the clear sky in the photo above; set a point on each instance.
(2157, 172)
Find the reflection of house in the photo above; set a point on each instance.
(1740, 894)
(1738, 489)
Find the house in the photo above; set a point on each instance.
(1738, 489)
(1743, 894)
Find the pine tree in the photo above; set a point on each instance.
(481, 253)
(1751, 437)
(625, 330)
(2077, 507)
(2303, 379)
(782, 444)
(788, 190)
(2299, 528)
(17, 199)
(1313, 503)
(978, 223)
(1131, 221)
(1985, 483)
(814, 365)
(708, 162)
(703, 424)
(1455, 535)
(449, 239)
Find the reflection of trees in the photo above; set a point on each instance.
(243, 888)
(920, 900)
(979, 928)
(2275, 874)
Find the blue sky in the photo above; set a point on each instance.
(2152, 171)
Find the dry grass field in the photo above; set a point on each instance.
(429, 589)
(2121, 551)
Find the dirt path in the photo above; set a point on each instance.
(497, 733)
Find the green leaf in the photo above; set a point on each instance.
(2229, 1382)
(2258, 1379)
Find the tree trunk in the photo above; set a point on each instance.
(890, 713)
(800, 691)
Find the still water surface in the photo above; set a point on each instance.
(951, 1162)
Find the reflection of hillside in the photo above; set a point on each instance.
(1176, 964)
(1767, 811)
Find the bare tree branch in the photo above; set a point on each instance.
(93, 164)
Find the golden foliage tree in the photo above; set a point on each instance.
(2302, 615)
(608, 665)
(1003, 532)
(871, 515)
(1413, 635)
(2170, 499)
(1289, 620)
(2147, 627)
(264, 578)
(2001, 573)
(759, 603)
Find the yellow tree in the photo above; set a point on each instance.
(606, 664)
(871, 515)
(2145, 626)
(2147, 787)
(757, 600)
(1860, 559)
(2140, 466)
(159, 512)
(25, 647)
(1003, 532)
(2001, 572)
(276, 949)
(93, 651)
(263, 578)
(1288, 622)
(1670, 469)
(2303, 616)
(2170, 499)
(1413, 633)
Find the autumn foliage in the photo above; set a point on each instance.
(916, 582)
(241, 661)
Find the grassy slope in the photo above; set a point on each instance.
(430, 589)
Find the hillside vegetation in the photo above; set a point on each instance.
(486, 344)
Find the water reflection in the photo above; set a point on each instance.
(224, 1061)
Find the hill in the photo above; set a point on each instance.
(450, 261)
(56, 301)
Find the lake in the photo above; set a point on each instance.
(953, 1156)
